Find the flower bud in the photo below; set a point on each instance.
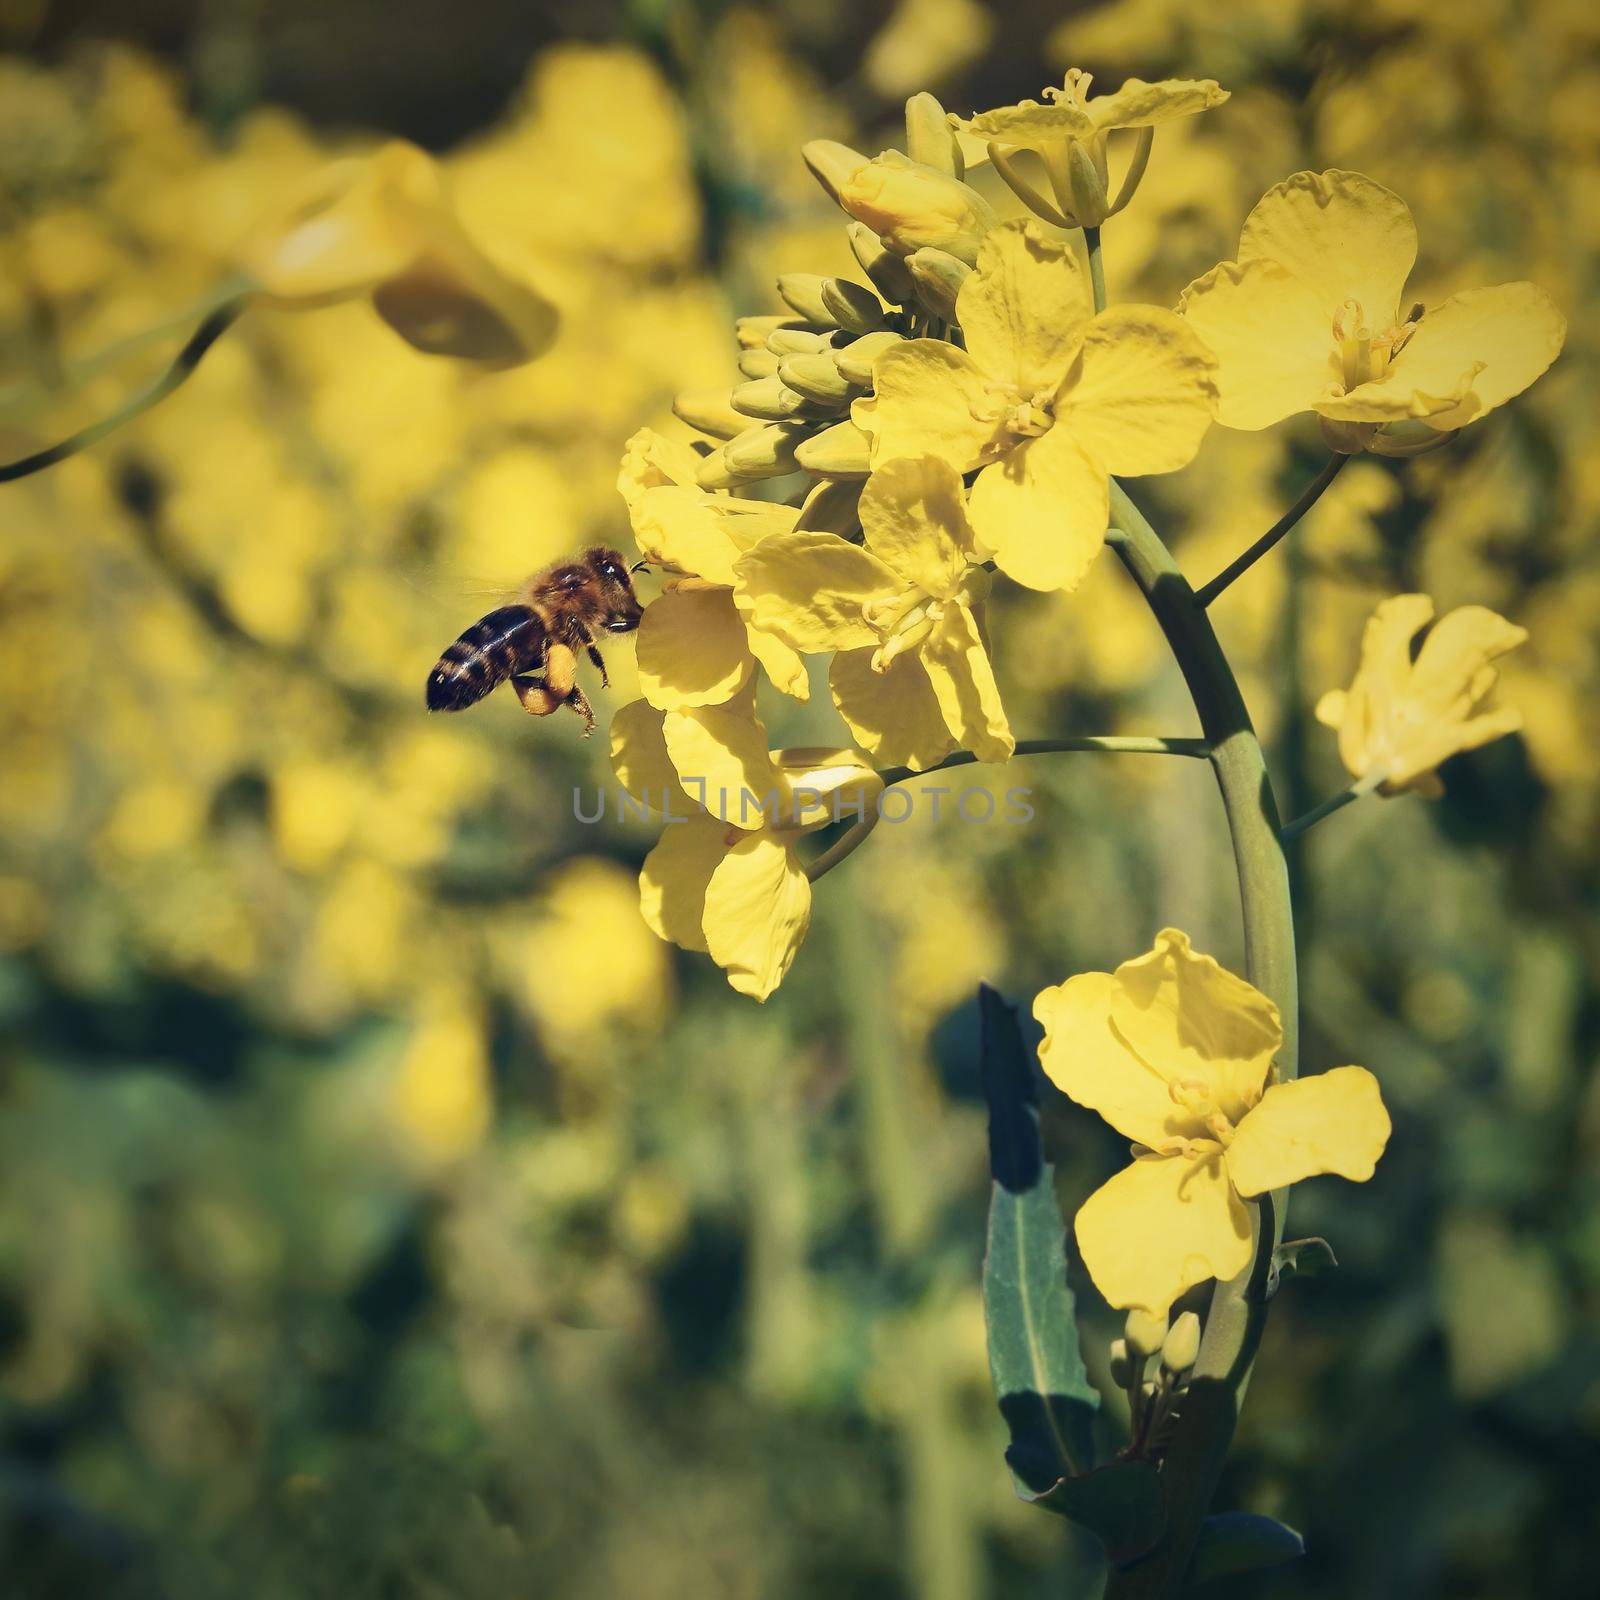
(757, 453)
(1182, 1344)
(797, 341)
(855, 360)
(1086, 186)
(842, 451)
(1122, 1367)
(832, 164)
(817, 377)
(710, 411)
(758, 363)
(803, 291)
(887, 270)
(753, 332)
(773, 400)
(929, 137)
(854, 307)
(938, 276)
(1145, 1332)
(909, 205)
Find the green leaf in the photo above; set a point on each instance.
(1044, 1391)
(1120, 1504)
(1235, 1542)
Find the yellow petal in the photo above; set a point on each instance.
(1042, 509)
(1160, 1227)
(1085, 1059)
(1344, 236)
(929, 399)
(962, 676)
(826, 784)
(810, 589)
(915, 522)
(692, 649)
(894, 714)
(673, 880)
(690, 531)
(1477, 350)
(757, 909)
(640, 760)
(651, 461)
(1194, 1021)
(1138, 104)
(1030, 123)
(1333, 1122)
(784, 666)
(1024, 309)
(1272, 337)
(1143, 392)
(721, 757)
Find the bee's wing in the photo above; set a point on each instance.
(452, 590)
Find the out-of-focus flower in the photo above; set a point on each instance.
(695, 647)
(1047, 398)
(1401, 717)
(1070, 134)
(912, 678)
(381, 226)
(1310, 317)
(924, 41)
(726, 877)
(1176, 1053)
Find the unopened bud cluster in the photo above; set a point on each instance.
(915, 230)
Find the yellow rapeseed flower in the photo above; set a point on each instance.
(1401, 717)
(1176, 1053)
(726, 877)
(1311, 317)
(912, 677)
(695, 648)
(1070, 133)
(1047, 398)
(381, 226)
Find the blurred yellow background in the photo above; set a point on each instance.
(383, 1210)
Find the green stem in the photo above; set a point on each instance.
(1238, 1308)
(183, 364)
(1208, 592)
(1333, 803)
(1097, 271)
(1110, 744)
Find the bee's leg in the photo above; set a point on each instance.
(599, 661)
(579, 702)
(537, 697)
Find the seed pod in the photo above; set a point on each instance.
(833, 506)
(842, 451)
(767, 452)
(884, 267)
(758, 363)
(772, 400)
(803, 291)
(855, 360)
(711, 411)
(818, 378)
(797, 341)
(1182, 1345)
(853, 306)
(929, 137)
(1145, 1332)
(938, 276)
(831, 163)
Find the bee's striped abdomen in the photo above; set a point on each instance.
(506, 641)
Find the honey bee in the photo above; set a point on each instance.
(535, 642)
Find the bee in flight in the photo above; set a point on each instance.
(535, 642)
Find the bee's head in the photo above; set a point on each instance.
(611, 568)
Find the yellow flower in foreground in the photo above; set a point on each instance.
(1176, 1053)
(726, 877)
(1070, 135)
(1401, 717)
(381, 226)
(912, 678)
(695, 648)
(1047, 399)
(1311, 317)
